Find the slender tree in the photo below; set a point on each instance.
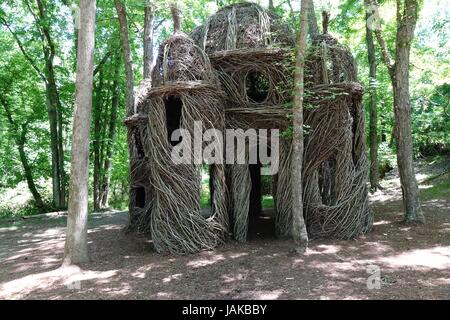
(148, 39)
(373, 113)
(76, 236)
(48, 76)
(299, 233)
(19, 132)
(313, 27)
(111, 136)
(407, 15)
(122, 15)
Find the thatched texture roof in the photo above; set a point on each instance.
(242, 26)
(328, 61)
(180, 59)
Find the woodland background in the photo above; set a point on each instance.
(37, 83)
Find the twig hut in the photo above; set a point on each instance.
(235, 72)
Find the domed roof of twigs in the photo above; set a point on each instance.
(328, 62)
(242, 26)
(181, 60)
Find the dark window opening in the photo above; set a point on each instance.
(173, 107)
(327, 174)
(256, 86)
(255, 193)
(140, 197)
(138, 143)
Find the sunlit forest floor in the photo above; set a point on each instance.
(414, 261)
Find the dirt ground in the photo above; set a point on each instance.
(414, 262)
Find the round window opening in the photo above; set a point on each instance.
(256, 86)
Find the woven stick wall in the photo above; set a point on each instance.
(182, 73)
(335, 164)
(250, 49)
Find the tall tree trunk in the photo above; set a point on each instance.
(76, 237)
(407, 14)
(313, 27)
(54, 145)
(54, 108)
(402, 108)
(176, 17)
(52, 95)
(299, 233)
(126, 57)
(104, 195)
(373, 134)
(97, 111)
(148, 40)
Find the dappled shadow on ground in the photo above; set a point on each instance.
(414, 262)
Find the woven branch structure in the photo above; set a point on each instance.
(236, 72)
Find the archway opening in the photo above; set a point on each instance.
(256, 86)
(173, 106)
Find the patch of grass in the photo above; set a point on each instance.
(17, 201)
(267, 202)
(438, 188)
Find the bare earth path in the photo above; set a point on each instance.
(414, 262)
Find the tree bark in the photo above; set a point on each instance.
(407, 15)
(97, 111)
(54, 108)
(104, 194)
(148, 40)
(76, 237)
(176, 17)
(402, 109)
(373, 113)
(313, 27)
(121, 12)
(299, 233)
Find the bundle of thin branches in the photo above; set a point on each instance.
(336, 199)
(271, 65)
(180, 59)
(328, 62)
(176, 223)
(242, 26)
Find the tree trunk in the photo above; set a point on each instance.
(97, 110)
(27, 170)
(406, 24)
(76, 237)
(299, 233)
(313, 27)
(126, 57)
(104, 195)
(148, 40)
(54, 109)
(407, 14)
(54, 145)
(373, 134)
